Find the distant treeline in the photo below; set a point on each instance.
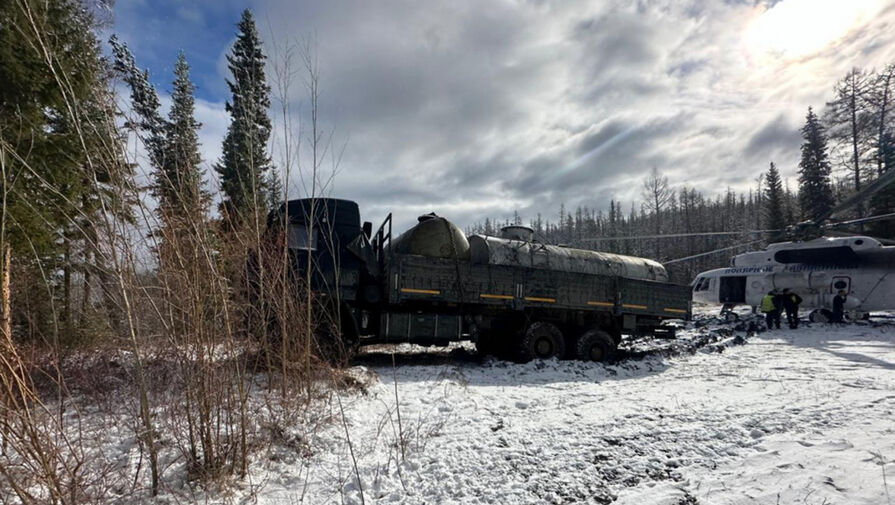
(851, 144)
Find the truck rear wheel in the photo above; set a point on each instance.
(595, 345)
(543, 341)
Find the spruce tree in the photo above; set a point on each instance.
(774, 204)
(815, 192)
(173, 143)
(244, 161)
(57, 134)
(179, 182)
(144, 103)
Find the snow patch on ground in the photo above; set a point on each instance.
(791, 416)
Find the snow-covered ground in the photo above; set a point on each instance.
(791, 416)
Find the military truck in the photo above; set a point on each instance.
(511, 295)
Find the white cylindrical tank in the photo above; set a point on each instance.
(501, 251)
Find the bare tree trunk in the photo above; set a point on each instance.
(66, 285)
(313, 79)
(853, 103)
(882, 146)
(5, 319)
(6, 346)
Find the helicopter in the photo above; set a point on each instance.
(816, 263)
(814, 269)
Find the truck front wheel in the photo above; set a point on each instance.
(595, 345)
(543, 341)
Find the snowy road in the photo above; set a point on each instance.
(802, 416)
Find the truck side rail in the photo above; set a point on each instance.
(430, 280)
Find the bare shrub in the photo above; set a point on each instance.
(192, 335)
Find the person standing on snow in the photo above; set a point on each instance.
(791, 303)
(770, 305)
(839, 307)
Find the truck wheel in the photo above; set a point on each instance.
(596, 345)
(543, 341)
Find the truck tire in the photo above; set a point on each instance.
(542, 341)
(595, 345)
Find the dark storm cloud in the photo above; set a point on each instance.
(774, 136)
(609, 160)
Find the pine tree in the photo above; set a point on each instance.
(178, 184)
(774, 215)
(815, 192)
(244, 160)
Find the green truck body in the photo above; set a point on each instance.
(517, 299)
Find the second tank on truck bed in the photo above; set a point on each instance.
(526, 254)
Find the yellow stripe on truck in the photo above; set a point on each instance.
(632, 306)
(676, 311)
(495, 297)
(538, 299)
(601, 304)
(421, 291)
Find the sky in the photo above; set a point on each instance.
(476, 109)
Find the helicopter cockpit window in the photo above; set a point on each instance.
(298, 238)
(702, 284)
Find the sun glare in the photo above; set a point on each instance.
(798, 28)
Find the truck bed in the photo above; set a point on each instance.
(452, 287)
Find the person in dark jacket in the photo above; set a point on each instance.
(771, 305)
(791, 303)
(839, 307)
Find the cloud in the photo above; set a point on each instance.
(476, 109)
(779, 135)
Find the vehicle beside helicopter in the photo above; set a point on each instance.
(815, 269)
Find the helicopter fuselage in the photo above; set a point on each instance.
(816, 270)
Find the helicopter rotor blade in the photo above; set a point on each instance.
(714, 251)
(679, 235)
(869, 219)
